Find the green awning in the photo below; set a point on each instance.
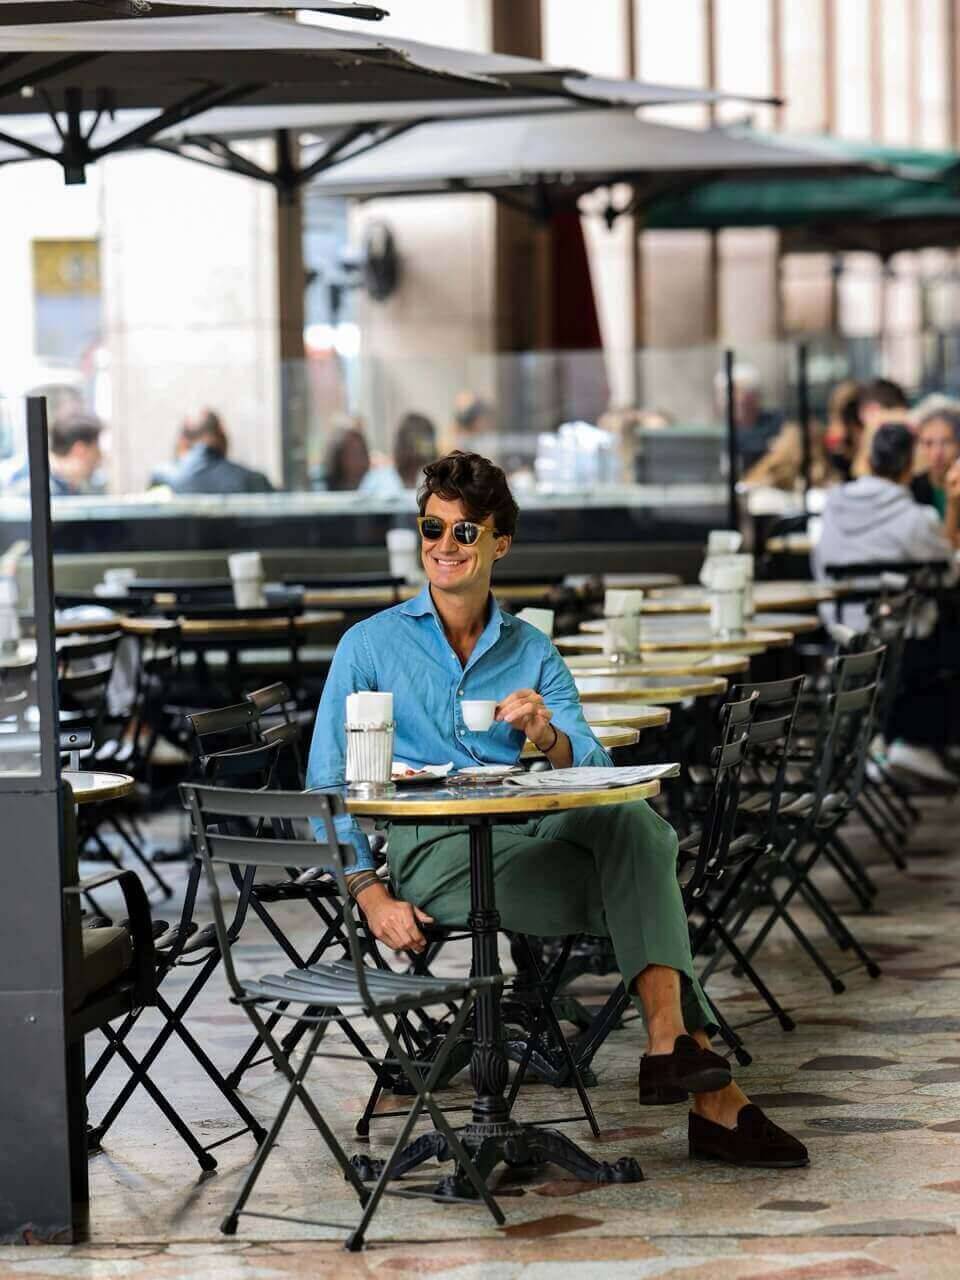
(914, 204)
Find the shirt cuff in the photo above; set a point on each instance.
(587, 751)
(348, 829)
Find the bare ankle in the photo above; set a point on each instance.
(662, 1036)
(722, 1106)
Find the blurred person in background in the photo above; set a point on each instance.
(202, 465)
(937, 482)
(414, 445)
(627, 426)
(875, 518)
(474, 425)
(844, 428)
(755, 425)
(781, 467)
(879, 402)
(75, 458)
(347, 459)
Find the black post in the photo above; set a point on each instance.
(733, 461)
(803, 413)
(488, 1064)
(35, 1112)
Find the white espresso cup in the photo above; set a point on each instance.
(478, 713)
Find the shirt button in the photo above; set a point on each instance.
(459, 693)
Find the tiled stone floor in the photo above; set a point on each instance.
(870, 1080)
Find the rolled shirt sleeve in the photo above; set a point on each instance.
(350, 672)
(559, 692)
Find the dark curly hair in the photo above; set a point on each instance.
(476, 482)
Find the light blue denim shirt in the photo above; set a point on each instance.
(404, 651)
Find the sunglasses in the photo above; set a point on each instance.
(466, 532)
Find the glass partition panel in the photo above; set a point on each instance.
(205, 458)
(26, 675)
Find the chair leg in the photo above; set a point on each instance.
(424, 1099)
(229, 1224)
(547, 989)
(586, 1046)
(773, 1004)
(731, 1037)
(138, 1075)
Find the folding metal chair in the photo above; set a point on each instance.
(701, 858)
(808, 826)
(238, 726)
(342, 991)
(714, 891)
(188, 945)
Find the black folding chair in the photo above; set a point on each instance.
(701, 859)
(187, 946)
(715, 890)
(342, 991)
(808, 824)
(84, 670)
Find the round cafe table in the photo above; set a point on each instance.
(610, 736)
(633, 715)
(648, 688)
(89, 626)
(659, 664)
(233, 629)
(90, 786)
(625, 581)
(771, 596)
(683, 635)
(795, 623)
(372, 598)
(493, 1136)
(21, 659)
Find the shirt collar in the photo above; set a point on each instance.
(422, 606)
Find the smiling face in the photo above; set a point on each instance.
(454, 569)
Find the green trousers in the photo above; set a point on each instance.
(609, 870)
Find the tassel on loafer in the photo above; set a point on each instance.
(672, 1077)
(756, 1142)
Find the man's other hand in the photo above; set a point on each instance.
(392, 921)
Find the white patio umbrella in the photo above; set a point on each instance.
(21, 12)
(546, 160)
(175, 68)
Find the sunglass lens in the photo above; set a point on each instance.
(431, 528)
(466, 533)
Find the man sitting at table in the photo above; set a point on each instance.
(609, 870)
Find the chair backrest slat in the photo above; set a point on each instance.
(277, 812)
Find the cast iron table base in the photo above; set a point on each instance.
(492, 1137)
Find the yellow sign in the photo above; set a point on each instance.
(66, 268)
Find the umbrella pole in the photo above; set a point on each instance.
(803, 413)
(290, 313)
(733, 514)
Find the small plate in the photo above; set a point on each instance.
(430, 773)
(484, 773)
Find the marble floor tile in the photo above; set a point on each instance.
(870, 1079)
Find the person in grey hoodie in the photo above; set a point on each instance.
(876, 518)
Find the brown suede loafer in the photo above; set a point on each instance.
(672, 1077)
(756, 1142)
